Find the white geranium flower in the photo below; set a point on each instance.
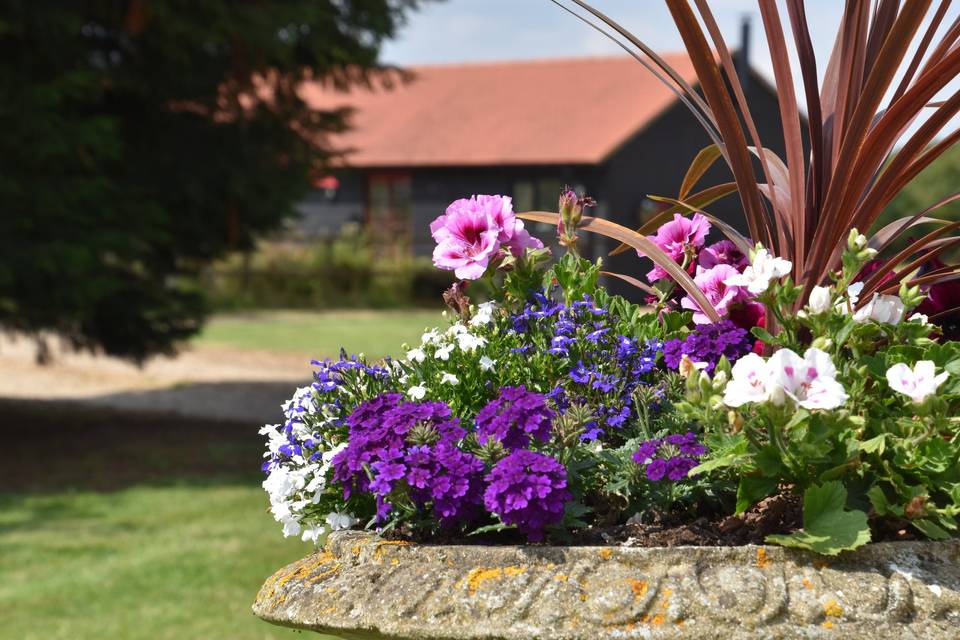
(443, 353)
(748, 382)
(416, 355)
(340, 521)
(821, 300)
(486, 363)
(919, 317)
(469, 342)
(417, 393)
(484, 314)
(762, 271)
(917, 383)
(885, 309)
(809, 381)
(449, 378)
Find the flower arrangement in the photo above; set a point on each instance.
(807, 362)
(555, 408)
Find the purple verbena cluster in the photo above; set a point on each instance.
(708, 343)
(596, 364)
(529, 490)
(381, 457)
(670, 457)
(514, 417)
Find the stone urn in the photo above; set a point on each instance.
(362, 586)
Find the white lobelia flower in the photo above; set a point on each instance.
(885, 309)
(312, 534)
(417, 393)
(762, 271)
(443, 353)
(291, 527)
(809, 381)
(340, 521)
(430, 337)
(486, 363)
(919, 317)
(748, 382)
(416, 355)
(457, 329)
(449, 378)
(484, 314)
(821, 300)
(469, 342)
(917, 383)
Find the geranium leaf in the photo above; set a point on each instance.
(931, 530)
(828, 528)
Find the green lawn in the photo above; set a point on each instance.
(375, 333)
(132, 527)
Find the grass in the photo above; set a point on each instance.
(375, 333)
(132, 527)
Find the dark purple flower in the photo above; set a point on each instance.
(514, 416)
(529, 490)
(670, 457)
(708, 343)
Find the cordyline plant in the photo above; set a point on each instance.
(802, 207)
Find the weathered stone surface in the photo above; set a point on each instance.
(365, 587)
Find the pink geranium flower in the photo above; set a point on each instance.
(470, 234)
(467, 238)
(723, 252)
(720, 294)
(675, 237)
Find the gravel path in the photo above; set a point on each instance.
(215, 382)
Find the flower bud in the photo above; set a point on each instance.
(821, 300)
(823, 343)
(719, 380)
(856, 241)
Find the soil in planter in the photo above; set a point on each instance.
(781, 514)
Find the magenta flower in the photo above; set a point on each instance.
(723, 252)
(470, 234)
(468, 238)
(522, 240)
(720, 295)
(675, 237)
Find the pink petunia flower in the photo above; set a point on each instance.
(467, 238)
(720, 295)
(675, 237)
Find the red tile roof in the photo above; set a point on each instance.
(561, 111)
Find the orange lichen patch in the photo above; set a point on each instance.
(658, 619)
(832, 609)
(302, 571)
(478, 576)
(323, 574)
(561, 577)
(639, 587)
(583, 597)
(378, 552)
(606, 553)
(330, 590)
(667, 592)
(807, 583)
(645, 618)
(828, 625)
(329, 610)
(762, 560)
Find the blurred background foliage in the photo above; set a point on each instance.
(135, 150)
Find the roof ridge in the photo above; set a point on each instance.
(545, 61)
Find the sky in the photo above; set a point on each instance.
(484, 30)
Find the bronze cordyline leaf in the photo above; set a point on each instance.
(863, 151)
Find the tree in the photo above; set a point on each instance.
(143, 138)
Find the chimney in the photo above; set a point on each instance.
(742, 60)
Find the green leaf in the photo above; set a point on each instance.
(874, 445)
(828, 528)
(931, 530)
(753, 489)
(492, 527)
